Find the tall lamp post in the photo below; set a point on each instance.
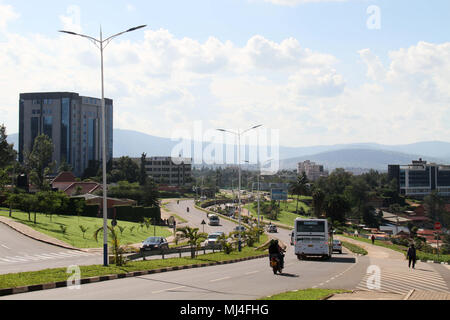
(238, 134)
(102, 44)
(259, 190)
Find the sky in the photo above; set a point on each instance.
(320, 71)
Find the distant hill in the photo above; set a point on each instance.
(357, 158)
(358, 155)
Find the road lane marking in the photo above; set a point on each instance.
(225, 278)
(6, 247)
(251, 272)
(165, 290)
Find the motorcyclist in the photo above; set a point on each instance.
(275, 249)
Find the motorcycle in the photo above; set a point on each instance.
(275, 264)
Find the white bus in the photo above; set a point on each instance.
(313, 237)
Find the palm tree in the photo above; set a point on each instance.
(194, 237)
(115, 244)
(300, 187)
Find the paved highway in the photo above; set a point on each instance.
(19, 253)
(246, 280)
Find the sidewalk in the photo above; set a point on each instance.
(373, 295)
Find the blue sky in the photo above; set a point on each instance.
(337, 30)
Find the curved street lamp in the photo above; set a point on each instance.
(238, 134)
(102, 44)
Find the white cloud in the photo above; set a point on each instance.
(72, 21)
(7, 14)
(162, 83)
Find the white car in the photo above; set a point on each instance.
(211, 241)
(214, 220)
(337, 246)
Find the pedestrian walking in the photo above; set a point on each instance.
(411, 256)
(373, 239)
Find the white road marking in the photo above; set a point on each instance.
(225, 278)
(252, 272)
(160, 291)
(6, 247)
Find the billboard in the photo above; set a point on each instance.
(279, 194)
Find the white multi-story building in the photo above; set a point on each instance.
(313, 171)
(168, 170)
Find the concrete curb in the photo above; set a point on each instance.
(62, 284)
(39, 239)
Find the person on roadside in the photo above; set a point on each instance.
(373, 239)
(411, 256)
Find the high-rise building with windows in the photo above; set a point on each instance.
(312, 170)
(73, 122)
(421, 178)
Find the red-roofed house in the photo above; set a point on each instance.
(67, 182)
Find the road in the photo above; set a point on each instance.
(241, 281)
(19, 253)
(254, 279)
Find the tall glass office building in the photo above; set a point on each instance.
(420, 178)
(73, 122)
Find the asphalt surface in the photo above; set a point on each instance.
(19, 253)
(241, 281)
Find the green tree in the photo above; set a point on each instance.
(7, 153)
(300, 187)
(336, 208)
(125, 169)
(150, 194)
(318, 202)
(434, 205)
(38, 161)
(115, 242)
(194, 237)
(142, 170)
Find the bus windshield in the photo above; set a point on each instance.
(311, 226)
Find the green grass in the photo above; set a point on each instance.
(308, 294)
(287, 214)
(354, 248)
(59, 274)
(74, 236)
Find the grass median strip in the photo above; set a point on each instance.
(354, 248)
(60, 274)
(307, 294)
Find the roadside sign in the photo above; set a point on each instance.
(437, 226)
(279, 194)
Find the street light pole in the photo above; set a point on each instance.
(102, 44)
(238, 134)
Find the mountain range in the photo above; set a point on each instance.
(358, 155)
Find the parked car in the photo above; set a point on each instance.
(155, 243)
(337, 246)
(214, 220)
(211, 241)
(272, 228)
